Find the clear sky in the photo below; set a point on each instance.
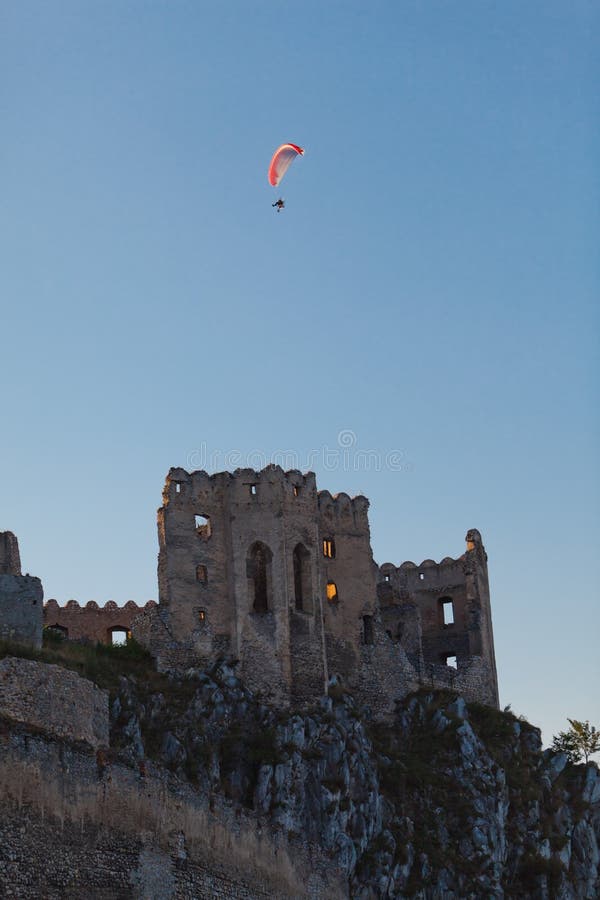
(429, 294)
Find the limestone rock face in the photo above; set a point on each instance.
(452, 800)
(313, 776)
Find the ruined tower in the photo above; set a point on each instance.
(21, 596)
(260, 568)
(441, 613)
(239, 576)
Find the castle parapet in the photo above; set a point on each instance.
(92, 622)
(262, 485)
(341, 508)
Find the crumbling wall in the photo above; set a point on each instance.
(92, 622)
(282, 579)
(21, 609)
(198, 602)
(454, 620)
(10, 560)
(345, 538)
(21, 597)
(210, 571)
(54, 700)
(386, 674)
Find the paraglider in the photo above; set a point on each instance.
(282, 159)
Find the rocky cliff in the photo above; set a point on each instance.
(451, 800)
(205, 791)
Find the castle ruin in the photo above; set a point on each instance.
(261, 568)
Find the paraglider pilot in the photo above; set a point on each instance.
(280, 204)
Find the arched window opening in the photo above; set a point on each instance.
(446, 611)
(203, 528)
(58, 631)
(302, 578)
(329, 548)
(332, 592)
(258, 570)
(119, 636)
(368, 635)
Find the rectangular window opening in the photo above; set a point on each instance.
(201, 574)
(451, 662)
(203, 529)
(253, 489)
(447, 611)
(296, 490)
(119, 637)
(202, 616)
(329, 548)
(177, 487)
(421, 576)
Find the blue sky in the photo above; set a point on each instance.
(431, 288)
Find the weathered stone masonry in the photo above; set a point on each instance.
(21, 597)
(74, 824)
(92, 622)
(262, 568)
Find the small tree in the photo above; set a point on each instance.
(579, 742)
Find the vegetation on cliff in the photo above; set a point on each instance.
(581, 741)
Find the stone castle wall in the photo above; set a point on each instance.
(10, 559)
(228, 581)
(92, 622)
(21, 597)
(449, 616)
(326, 607)
(344, 522)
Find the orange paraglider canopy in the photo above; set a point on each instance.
(282, 160)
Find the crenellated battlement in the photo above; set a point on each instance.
(93, 622)
(343, 508)
(428, 575)
(262, 485)
(52, 606)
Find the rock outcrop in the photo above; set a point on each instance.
(452, 800)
